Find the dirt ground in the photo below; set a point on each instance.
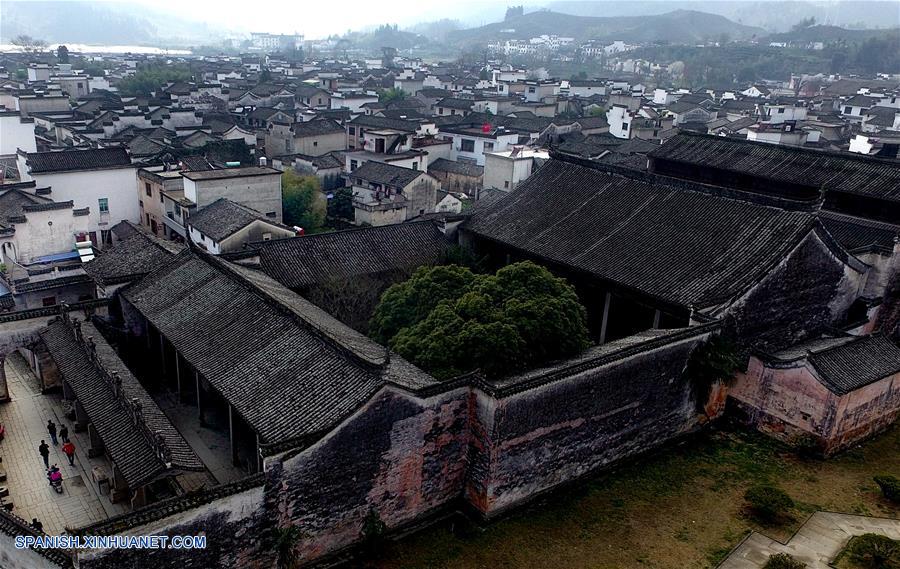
(678, 508)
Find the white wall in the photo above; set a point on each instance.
(85, 188)
(47, 233)
(15, 134)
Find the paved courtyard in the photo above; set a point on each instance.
(817, 542)
(25, 418)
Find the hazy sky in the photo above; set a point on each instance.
(288, 16)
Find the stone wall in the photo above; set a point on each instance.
(404, 457)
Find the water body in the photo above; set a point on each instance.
(105, 49)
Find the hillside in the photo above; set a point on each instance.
(830, 34)
(844, 13)
(100, 23)
(680, 26)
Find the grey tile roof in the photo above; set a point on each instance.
(855, 364)
(461, 168)
(136, 254)
(684, 247)
(223, 218)
(129, 446)
(65, 160)
(304, 261)
(316, 127)
(839, 172)
(385, 174)
(289, 369)
(226, 173)
(856, 234)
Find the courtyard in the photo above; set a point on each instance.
(680, 507)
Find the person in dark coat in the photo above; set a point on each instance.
(45, 453)
(64, 434)
(51, 428)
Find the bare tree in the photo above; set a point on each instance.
(29, 44)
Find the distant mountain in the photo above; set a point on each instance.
(680, 26)
(830, 34)
(101, 23)
(774, 16)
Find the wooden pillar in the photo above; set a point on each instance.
(97, 447)
(178, 372)
(231, 437)
(605, 320)
(199, 398)
(656, 317)
(81, 418)
(162, 358)
(259, 459)
(4, 388)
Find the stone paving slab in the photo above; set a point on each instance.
(818, 541)
(26, 418)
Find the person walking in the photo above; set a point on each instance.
(45, 453)
(51, 428)
(64, 434)
(69, 449)
(38, 526)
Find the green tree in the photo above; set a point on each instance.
(392, 94)
(340, 205)
(768, 503)
(783, 561)
(62, 54)
(302, 200)
(874, 551)
(449, 321)
(265, 75)
(152, 79)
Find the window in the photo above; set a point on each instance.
(506, 184)
(415, 165)
(440, 110)
(147, 189)
(271, 214)
(781, 110)
(452, 111)
(351, 130)
(161, 200)
(315, 142)
(488, 146)
(148, 218)
(103, 204)
(848, 110)
(466, 145)
(624, 126)
(267, 236)
(531, 90)
(48, 301)
(353, 165)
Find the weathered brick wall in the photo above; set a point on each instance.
(400, 457)
(237, 529)
(561, 431)
(806, 292)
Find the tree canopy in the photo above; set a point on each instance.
(392, 94)
(449, 320)
(303, 202)
(152, 79)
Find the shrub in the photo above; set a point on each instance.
(873, 551)
(890, 486)
(784, 561)
(768, 502)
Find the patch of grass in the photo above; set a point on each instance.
(680, 508)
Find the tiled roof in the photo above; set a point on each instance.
(65, 160)
(684, 247)
(130, 448)
(316, 127)
(223, 218)
(386, 174)
(133, 256)
(854, 233)
(839, 172)
(226, 173)
(461, 168)
(303, 261)
(289, 369)
(856, 364)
